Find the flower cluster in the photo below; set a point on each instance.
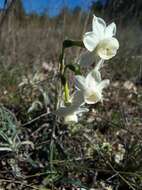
(100, 43)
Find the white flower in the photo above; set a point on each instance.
(73, 118)
(100, 40)
(91, 87)
(119, 153)
(107, 48)
(70, 113)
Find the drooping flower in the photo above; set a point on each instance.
(92, 86)
(70, 113)
(100, 40)
(72, 118)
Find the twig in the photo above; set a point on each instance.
(18, 182)
(110, 165)
(38, 174)
(117, 125)
(35, 119)
(52, 150)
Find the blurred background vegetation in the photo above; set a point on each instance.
(32, 155)
(20, 31)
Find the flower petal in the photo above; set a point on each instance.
(78, 99)
(64, 111)
(80, 82)
(93, 97)
(107, 48)
(110, 30)
(86, 59)
(69, 119)
(90, 40)
(82, 110)
(96, 75)
(98, 26)
(90, 81)
(104, 84)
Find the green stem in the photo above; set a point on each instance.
(61, 60)
(66, 91)
(63, 78)
(64, 83)
(71, 43)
